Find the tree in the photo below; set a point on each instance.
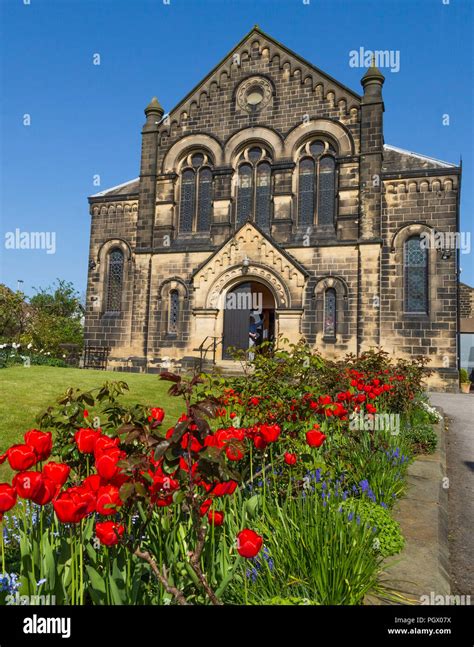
(56, 318)
(13, 314)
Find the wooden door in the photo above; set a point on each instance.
(237, 319)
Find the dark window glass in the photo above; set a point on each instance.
(255, 154)
(244, 195)
(197, 160)
(316, 148)
(263, 194)
(416, 276)
(188, 197)
(306, 192)
(327, 196)
(115, 281)
(330, 313)
(205, 197)
(173, 312)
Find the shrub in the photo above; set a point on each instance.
(422, 438)
(16, 355)
(388, 539)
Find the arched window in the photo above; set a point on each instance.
(114, 281)
(254, 192)
(330, 312)
(195, 205)
(415, 262)
(264, 194)
(326, 191)
(244, 195)
(317, 184)
(173, 311)
(306, 195)
(188, 198)
(205, 197)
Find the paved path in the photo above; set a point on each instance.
(459, 409)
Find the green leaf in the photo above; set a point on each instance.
(252, 505)
(97, 588)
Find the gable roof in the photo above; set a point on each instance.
(272, 242)
(256, 31)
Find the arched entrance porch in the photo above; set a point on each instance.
(249, 316)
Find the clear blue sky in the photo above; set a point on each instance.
(86, 119)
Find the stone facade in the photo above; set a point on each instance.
(337, 279)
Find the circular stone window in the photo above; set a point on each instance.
(254, 93)
(254, 96)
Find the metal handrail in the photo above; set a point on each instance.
(204, 350)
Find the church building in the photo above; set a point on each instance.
(268, 205)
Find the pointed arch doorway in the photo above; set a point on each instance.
(249, 317)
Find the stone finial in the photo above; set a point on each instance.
(373, 80)
(154, 108)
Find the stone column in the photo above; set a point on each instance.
(148, 173)
(371, 154)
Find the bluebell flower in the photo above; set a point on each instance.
(364, 485)
(350, 516)
(358, 519)
(384, 505)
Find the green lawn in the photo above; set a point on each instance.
(26, 392)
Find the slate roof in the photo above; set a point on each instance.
(399, 159)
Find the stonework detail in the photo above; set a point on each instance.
(253, 204)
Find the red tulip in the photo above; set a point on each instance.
(104, 443)
(108, 500)
(215, 517)
(7, 497)
(42, 443)
(21, 457)
(248, 543)
(86, 439)
(157, 414)
(28, 484)
(57, 472)
(255, 401)
(290, 459)
(106, 463)
(221, 489)
(46, 493)
(315, 438)
(270, 433)
(92, 483)
(161, 502)
(109, 532)
(205, 507)
(73, 505)
(233, 453)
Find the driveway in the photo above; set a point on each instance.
(459, 409)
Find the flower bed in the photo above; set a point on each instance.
(273, 488)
